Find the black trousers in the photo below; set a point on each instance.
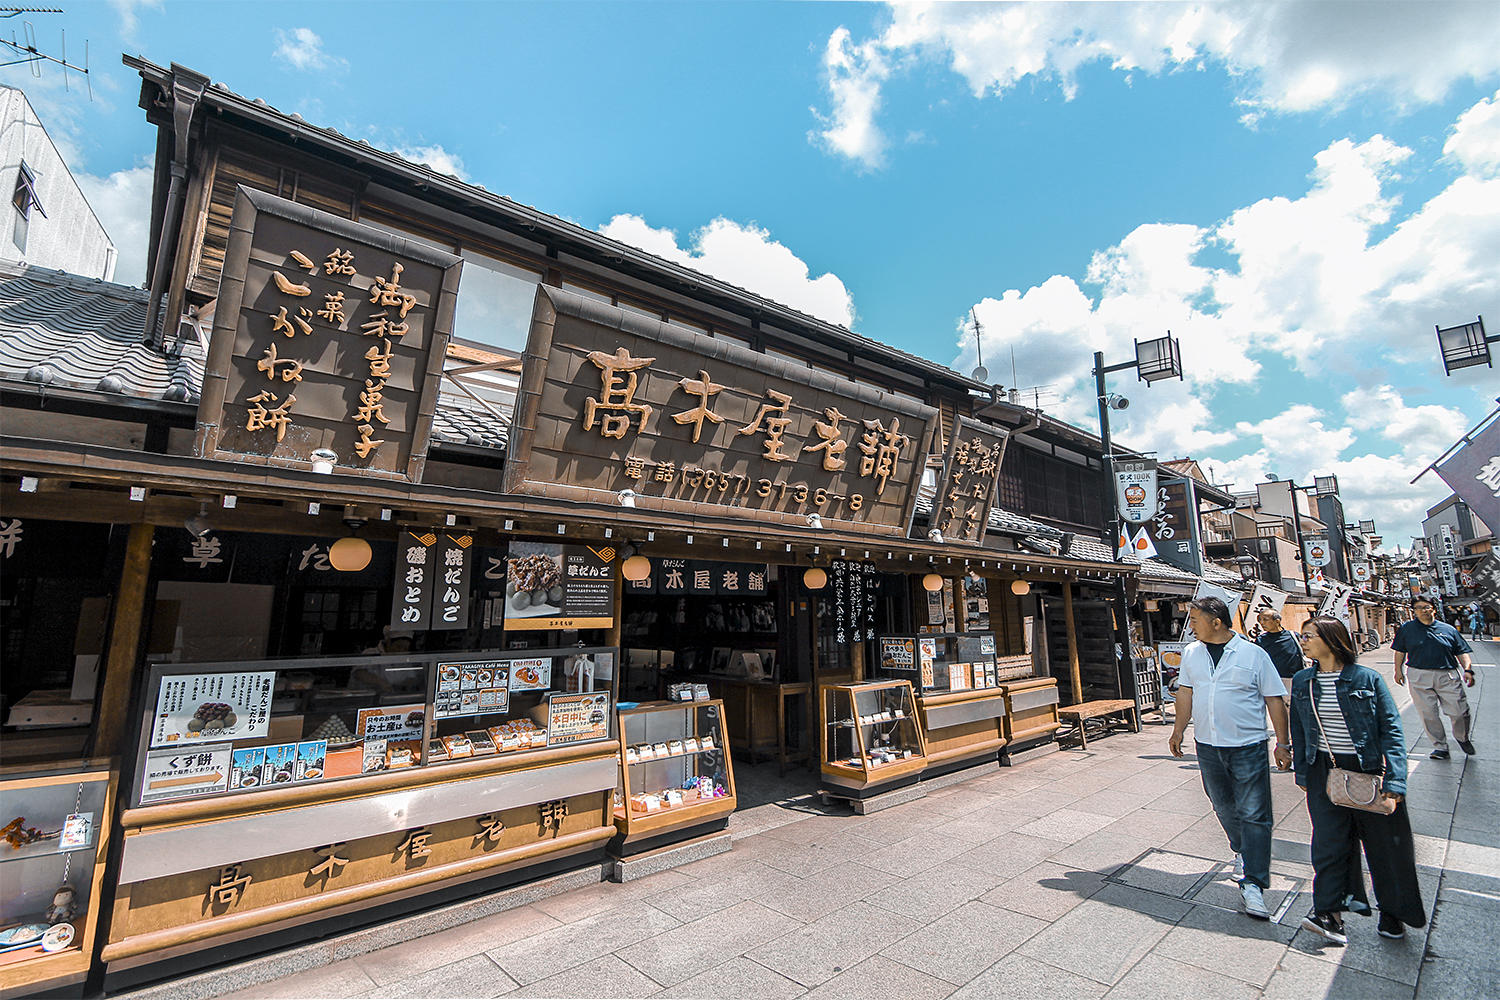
(1338, 834)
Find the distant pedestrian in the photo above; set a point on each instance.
(1226, 687)
(1343, 715)
(1433, 653)
(1281, 645)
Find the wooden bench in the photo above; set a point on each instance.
(1079, 715)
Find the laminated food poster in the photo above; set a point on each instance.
(182, 772)
(245, 770)
(280, 766)
(472, 688)
(310, 760)
(575, 718)
(531, 674)
(213, 707)
(392, 722)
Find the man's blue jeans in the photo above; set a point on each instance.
(1238, 783)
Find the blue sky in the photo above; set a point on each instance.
(1299, 190)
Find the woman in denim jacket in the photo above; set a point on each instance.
(1363, 733)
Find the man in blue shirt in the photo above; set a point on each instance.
(1283, 647)
(1434, 652)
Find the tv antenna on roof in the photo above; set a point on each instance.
(29, 54)
(981, 373)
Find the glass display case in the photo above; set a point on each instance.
(241, 728)
(942, 663)
(870, 734)
(675, 771)
(52, 852)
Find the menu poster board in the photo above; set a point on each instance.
(577, 718)
(950, 614)
(551, 586)
(392, 722)
(213, 707)
(533, 674)
(926, 654)
(182, 772)
(897, 654)
(472, 688)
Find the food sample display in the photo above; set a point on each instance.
(247, 727)
(676, 774)
(52, 854)
(870, 734)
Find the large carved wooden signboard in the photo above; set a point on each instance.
(328, 335)
(961, 509)
(612, 401)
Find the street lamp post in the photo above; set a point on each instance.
(1154, 360)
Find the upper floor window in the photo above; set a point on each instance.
(24, 200)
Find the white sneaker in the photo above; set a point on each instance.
(1239, 868)
(1255, 903)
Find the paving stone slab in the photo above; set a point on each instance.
(736, 979)
(335, 981)
(434, 951)
(1299, 977)
(558, 949)
(476, 976)
(605, 976)
(1017, 977)
(964, 943)
(1166, 872)
(816, 953)
(1102, 937)
(1157, 977)
(1009, 854)
(928, 898)
(718, 890)
(1103, 852)
(681, 953)
(1046, 891)
(878, 976)
(1068, 825)
(1230, 944)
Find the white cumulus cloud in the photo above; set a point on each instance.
(1285, 56)
(746, 256)
(436, 157)
(122, 202)
(1475, 139)
(302, 48)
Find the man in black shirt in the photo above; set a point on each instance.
(1282, 646)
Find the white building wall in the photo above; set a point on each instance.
(68, 237)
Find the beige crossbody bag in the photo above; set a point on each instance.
(1351, 789)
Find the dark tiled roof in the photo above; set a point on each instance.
(62, 330)
(59, 329)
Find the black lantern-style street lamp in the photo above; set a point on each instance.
(1465, 346)
(1157, 359)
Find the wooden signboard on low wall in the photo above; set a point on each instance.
(612, 401)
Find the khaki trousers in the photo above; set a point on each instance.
(1432, 690)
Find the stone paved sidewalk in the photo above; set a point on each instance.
(1081, 874)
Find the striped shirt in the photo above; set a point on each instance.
(1334, 736)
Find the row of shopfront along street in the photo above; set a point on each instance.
(319, 607)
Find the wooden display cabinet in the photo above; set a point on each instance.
(676, 776)
(57, 822)
(871, 736)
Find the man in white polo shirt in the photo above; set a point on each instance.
(1227, 684)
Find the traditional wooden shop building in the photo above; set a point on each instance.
(322, 601)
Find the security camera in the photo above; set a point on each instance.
(1117, 402)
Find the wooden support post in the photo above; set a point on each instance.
(857, 660)
(617, 630)
(124, 643)
(1074, 672)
